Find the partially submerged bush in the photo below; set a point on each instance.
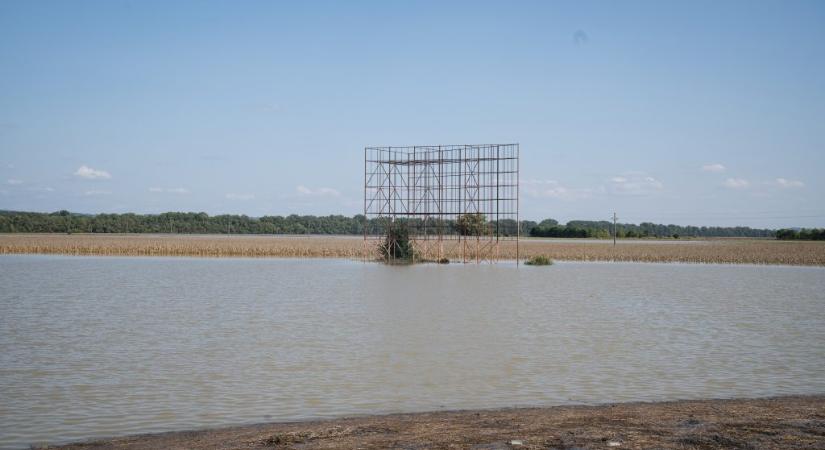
(539, 260)
(396, 246)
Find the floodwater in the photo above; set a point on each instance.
(96, 346)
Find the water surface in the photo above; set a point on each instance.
(103, 346)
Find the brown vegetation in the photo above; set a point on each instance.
(725, 251)
(787, 422)
(747, 251)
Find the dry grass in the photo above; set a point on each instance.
(736, 251)
(725, 251)
(182, 245)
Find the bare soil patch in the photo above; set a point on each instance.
(784, 422)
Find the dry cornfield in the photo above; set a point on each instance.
(733, 251)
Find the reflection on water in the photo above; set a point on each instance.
(94, 346)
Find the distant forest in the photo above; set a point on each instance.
(812, 234)
(202, 223)
(603, 229)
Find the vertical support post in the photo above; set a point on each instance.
(478, 198)
(498, 183)
(438, 199)
(366, 216)
(518, 219)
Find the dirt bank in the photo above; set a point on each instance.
(735, 251)
(784, 422)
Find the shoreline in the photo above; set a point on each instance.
(718, 251)
(433, 263)
(775, 422)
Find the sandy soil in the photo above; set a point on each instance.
(783, 422)
(743, 251)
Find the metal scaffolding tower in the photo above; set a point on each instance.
(454, 201)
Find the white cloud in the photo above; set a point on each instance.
(737, 183)
(553, 189)
(231, 196)
(634, 184)
(715, 167)
(96, 192)
(14, 181)
(179, 190)
(318, 192)
(786, 184)
(92, 174)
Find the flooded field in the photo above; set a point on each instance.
(103, 346)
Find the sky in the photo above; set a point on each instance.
(691, 113)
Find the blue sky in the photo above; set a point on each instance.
(688, 113)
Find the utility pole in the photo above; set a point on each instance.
(614, 228)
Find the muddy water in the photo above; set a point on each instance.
(95, 346)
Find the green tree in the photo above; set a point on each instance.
(471, 224)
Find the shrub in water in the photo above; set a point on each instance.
(539, 260)
(397, 246)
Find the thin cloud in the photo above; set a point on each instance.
(92, 174)
(634, 183)
(233, 196)
(318, 192)
(14, 181)
(788, 184)
(178, 190)
(269, 107)
(715, 167)
(736, 183)
(96, 192)
(553, 189)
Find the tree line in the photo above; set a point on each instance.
(202, 223)
(176, 222)
(604, 229)
(812, 234)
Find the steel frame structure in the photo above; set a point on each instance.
(430, 188)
